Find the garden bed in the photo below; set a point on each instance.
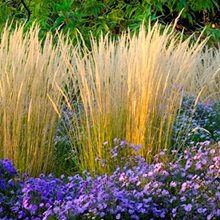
(187, 188)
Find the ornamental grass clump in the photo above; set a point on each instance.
(206, 77)
(29, 69)
(129, 88)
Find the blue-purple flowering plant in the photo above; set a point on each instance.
(10, 191)
(185, 188)
(196, 123)
(119, 154)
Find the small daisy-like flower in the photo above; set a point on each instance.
(188, 207)
(173, 184)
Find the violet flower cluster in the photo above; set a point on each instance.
(187, 187)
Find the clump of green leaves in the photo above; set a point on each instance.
(102, 16)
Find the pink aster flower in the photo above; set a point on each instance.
(173, 184)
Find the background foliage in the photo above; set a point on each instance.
(111, 16)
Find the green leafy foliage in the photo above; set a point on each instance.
(107, 16)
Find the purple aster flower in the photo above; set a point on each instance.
(188, 207)
(118, 216)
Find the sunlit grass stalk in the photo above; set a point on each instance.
(28, 72)
(207, 75)
(129, 89)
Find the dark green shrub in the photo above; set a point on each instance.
(110, 16)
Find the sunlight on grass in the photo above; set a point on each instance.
(28, 121)
(129, 89)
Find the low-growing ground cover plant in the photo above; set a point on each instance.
(10, 189)
(185, 188)
(195, 124)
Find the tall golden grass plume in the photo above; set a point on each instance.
(131, 88)
(28, 72)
